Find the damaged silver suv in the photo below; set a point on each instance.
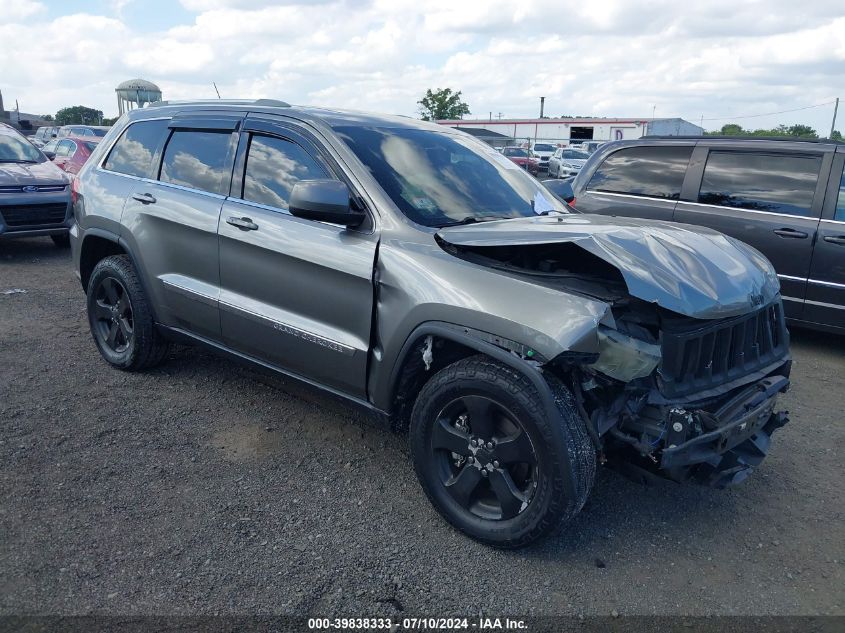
(418, 274)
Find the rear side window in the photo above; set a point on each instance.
(778, 183)
(273, 167)
(656, 172)
(198, 160)
(840, 201)
(65, 148)
(133, 153)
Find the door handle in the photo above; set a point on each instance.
(835, 239)
(144, 198)
(791, 233)
(244, 224)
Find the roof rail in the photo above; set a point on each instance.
(709, 137)
(258, 102)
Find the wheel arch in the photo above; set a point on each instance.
(449, 343)
(99, 244)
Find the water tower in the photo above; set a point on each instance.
(136, 93)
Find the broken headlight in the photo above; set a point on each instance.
(624, 357)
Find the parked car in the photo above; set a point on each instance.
(71, 152)
(84, 131)
(588, 147)
(785, 197)
(34, 193)
(44, 135)
(566, 162)
(523, 158)
(419, 276)
(543, 152)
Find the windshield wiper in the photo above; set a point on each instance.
(471, 219)
(16, 160)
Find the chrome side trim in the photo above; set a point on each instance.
(171, 185)
(825, 305)
(772, 213)
(833, 221)
(183, 286)
(286, 328)
(632, 196)
(828, 284)
(795, 299)
(791, 277)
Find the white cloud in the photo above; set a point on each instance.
(604, 58)
(13, 10)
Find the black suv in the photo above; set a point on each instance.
(786, 197)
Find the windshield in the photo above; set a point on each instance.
(544, 147)
(516, 151)
(439, 178)
(14, 149)
(89, 145)
(100, 133)
(573, 154)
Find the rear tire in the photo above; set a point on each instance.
(523, 494)
(62, 240)
(120, 317)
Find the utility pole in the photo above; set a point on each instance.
(542, 106)
(833, 125)
(215, 89)
(653, 110)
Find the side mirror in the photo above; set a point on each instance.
(561, 188)
(324, 201)
(50, 155)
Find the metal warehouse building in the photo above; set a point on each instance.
(571, 130)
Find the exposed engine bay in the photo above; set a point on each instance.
(671, 395)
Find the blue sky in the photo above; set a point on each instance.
(713, 58)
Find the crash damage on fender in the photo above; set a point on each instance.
(680, 376)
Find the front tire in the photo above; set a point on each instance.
(120, 317)
(490, 459)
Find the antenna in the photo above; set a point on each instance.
(215, 89)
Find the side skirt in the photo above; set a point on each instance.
(178, 335)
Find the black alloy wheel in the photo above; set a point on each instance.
(114, 322)
(484, 457)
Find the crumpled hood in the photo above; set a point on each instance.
(694, 271)
(20, 174)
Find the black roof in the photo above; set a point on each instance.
(719, 137)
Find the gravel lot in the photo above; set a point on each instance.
(207, 487)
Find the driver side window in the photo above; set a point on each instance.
(273, 166)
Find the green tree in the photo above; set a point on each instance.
(836, 136)
(442, 104)
(79, 114)
(47, 117)
(110, 121)
(732, 129)
(804, 131)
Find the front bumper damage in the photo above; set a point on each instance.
(733, 440)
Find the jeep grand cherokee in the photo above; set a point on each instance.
(425, 278)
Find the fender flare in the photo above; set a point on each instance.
(464, 336)
(124, 245)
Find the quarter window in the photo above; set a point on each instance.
(65, 148)
(273, 167)
(778, 183)
(655, 172)
(198, 160)
(133, 153)
(840, 201)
